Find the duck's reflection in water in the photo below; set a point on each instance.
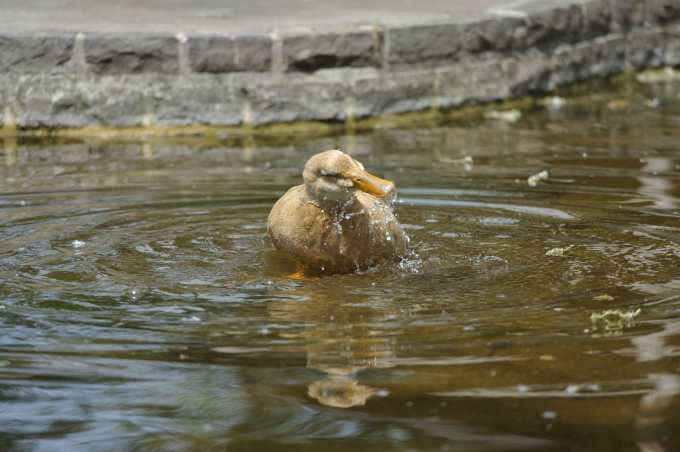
(341, 343)
(341, 351)
(652, 419)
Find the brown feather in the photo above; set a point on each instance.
(338, 236)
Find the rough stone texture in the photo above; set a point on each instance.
(226, 79)
(627, 13)
(2, 105)
(608, 55)
(663, 11)
(645, 48)
(571, 63)
(526, 73)
(552, 20)
(211, 53)
(437, 42)
(494, 33)
(672, 57)
(308, 52)
(603, 56)
(597, 17)
(292, 97)
(64, 101)
(35, 53)
(125, 54)
(203, 99)
(378, 93)
(470, 82)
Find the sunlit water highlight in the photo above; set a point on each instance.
(144, 307)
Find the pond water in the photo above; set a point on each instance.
(144, 307)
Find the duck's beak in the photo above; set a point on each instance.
(368, 183)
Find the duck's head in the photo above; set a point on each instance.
(333, 176)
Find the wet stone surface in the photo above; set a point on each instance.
(144, 308)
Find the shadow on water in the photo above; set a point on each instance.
(144, 308)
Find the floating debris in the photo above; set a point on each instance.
(553, 102)
(615, 314)
(511, 116)
(239, 350)
(618, 104)
(604, 298)
(466, 161)
(459, 161)
(558, 251)
(665, 75)
(536, 178)
(78, 243)
(615, 320)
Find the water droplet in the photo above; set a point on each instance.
(549, 415)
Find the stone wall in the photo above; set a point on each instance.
(344, 74)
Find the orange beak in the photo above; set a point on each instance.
(369, 183)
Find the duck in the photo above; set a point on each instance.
(339, 219)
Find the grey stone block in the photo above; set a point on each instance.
(125, 54)
(424, 43)
(291, 97)
(64, 101)
(494, 33)
(3, 102)
(526, 73)
(645, 48)
(470, 82)
(571, 63)
(308, 52)
(380, 93)
(605, 55)
(663, 11)
(627, 13)
(35, 53)
(608, 55)
(551, 21)
(212, 53)
(597, 17)
(672, 56)
(197, 99)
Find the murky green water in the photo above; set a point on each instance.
(145, 309)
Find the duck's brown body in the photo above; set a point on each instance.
(338, 235)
